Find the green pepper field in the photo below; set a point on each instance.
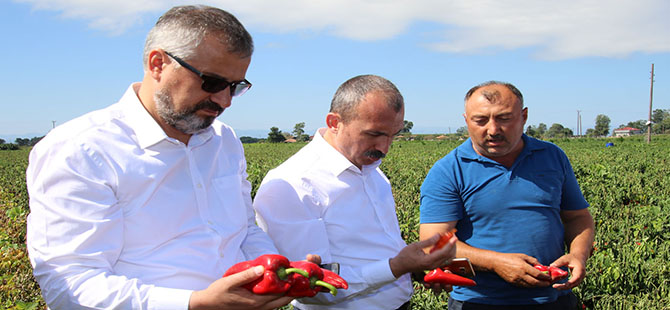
(627, 185)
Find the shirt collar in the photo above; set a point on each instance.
(336, 162)
(466, 150)
(146, 129)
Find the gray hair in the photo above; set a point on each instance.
(183, 28)
(491, 97)
(353, 91)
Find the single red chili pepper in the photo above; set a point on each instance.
(555, 272)
(312, 284)
(275, 279)
(445, 278)
(444, 239)
(542, 268)
(334, 280)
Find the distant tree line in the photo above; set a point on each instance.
(19, 142)
(276, 135)
(660, 122)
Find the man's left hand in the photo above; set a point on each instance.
(577, 268)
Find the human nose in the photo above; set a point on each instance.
(384, 144)
(493, 128)
(222, 98)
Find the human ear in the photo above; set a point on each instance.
(155, 63)
(333, 121)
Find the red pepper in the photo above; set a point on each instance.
(334, 280)
(555, 272)
(445, 278)
(444, 239)
(312, 284)
(275, 279)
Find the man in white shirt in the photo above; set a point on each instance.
(145, 204)
(331, 199)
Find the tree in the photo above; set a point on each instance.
(531, 131)
(462, 131)
(558, 131)
(658, 115)
(536, 132)
(2, 141)
(639, 124)
(661, 121)
(299, 132)
(408, 127)
(567, 132)
(590, 132)
(247, 139)
(275, 136)
(602, 125)
(22, 141)
(541, 130)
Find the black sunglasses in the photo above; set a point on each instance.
(212, 84)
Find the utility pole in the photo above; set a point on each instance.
(53, 124)
(651, 98)
(579, 124)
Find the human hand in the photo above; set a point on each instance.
(313, 258)
(412, 258)
(228, 293)
(435, 287)
(517, 269)
(578, 271)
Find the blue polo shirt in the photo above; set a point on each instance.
(508, 210)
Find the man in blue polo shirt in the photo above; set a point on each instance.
(515, 202)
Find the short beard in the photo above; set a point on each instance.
(185, 121)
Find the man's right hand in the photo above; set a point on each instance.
(412, 258)
(228, 293)
(518, 270)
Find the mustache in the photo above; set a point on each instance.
(208, 105)
(496, 138)
(375, 154)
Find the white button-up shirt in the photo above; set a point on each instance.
(124, 217)
(318, 202)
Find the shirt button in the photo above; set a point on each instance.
(210, 222)
(199, 185)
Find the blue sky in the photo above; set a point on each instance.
(63, 58)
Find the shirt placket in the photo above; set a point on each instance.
(199, 188)
(385, 219)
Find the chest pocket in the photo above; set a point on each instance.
(547, 186)
(228, 204)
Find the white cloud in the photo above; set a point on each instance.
(555, 29)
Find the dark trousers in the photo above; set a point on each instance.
(565, 302)
(405, 306)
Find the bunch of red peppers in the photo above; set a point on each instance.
(295, 279)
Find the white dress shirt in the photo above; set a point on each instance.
(318, 202)
(124, 217)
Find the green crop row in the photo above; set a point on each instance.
(627, 186)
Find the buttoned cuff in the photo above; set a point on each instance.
(378, 272)
(162, 298)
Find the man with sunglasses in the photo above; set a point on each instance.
(145, 204)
